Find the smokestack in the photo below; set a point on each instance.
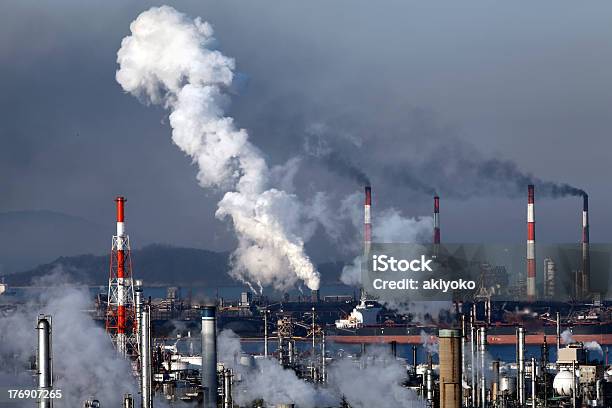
(145, 357)
(227, 389)
(483, 366)
(44, 362)
(209, 355)
(119, 317)
(520, 360)
(436, 218)
(367, 221)
(586, 261)
(450, 368)
(531, 265)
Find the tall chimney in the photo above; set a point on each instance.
(209, 355)
(367, 221)
(121, 315)
(586, 259)
(450, 368)
(531, 264)
(145, 357)
(520, 363)
(436, 219)
(44, 361)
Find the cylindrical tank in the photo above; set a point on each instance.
(44, 362)
(209, 355)
(507, 385)
(450, 368)
(563, 383)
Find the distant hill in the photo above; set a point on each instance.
(156, 265)
(30, 238)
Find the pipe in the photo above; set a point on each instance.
(429, 385)
(367, 222)
(266, 333)
(533, 383)
(531, 258)
(209, 355)
(145, 358)
(227, 389)
(558, 334)
(415, 360)
(483, 355)
(473, 360)
(323, 363)
(520, 354)
(463, 335)
(44, 361)
(495, 381)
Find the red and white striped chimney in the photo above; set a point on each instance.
(531, 261)
(120, 251)
(586, 261)
(367, 221)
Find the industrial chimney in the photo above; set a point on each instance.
(145, 357)
(44, 362)
(120, 313)
(367, 221)
(209, 356)
(531, 263)
(436, 219)
(586, 259)
(450, 368)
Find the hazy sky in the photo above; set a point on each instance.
(521, 81)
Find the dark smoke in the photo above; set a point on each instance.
(342, 166)
(457, 170)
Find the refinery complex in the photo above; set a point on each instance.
(300, 271)
(447, 362)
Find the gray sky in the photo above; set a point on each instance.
(520, 81)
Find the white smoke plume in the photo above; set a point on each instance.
(567, 337)
(594, 346)
(430, 343)
(85, 364)
(380, 375)
(361, 383)
(170, 60)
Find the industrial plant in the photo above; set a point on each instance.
(306, 336)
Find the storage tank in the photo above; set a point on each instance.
(564, 383)
(450, 368)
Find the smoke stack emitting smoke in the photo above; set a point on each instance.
(168, 60)
(531, 259)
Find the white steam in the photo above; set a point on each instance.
(85, 364)
(567, 337)
(361, 382)
(170, 60)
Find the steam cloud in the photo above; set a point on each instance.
(380, 374)
(85, 363)
(170, 60)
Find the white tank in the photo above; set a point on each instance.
(507, 384)
(563, 383)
